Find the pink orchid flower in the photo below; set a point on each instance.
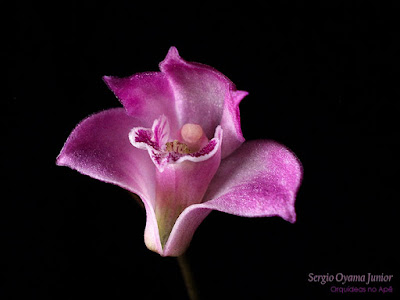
(178, 145)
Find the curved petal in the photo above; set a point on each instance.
(260, 179)
(183, 230)
(145, 95)
(206, 97)
(99, 147)
(183, 184)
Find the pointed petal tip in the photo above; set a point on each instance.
(108, 81)
(238, 96)
(59, 161)
(173, 52)
(241, 94)
(106, 78)
(172, 55)
(292, 218)
(62, 159)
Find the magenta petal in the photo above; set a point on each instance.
(260, 179)
(184, 230)
(99, 147)
(145, 95)
(206, 97)
(230, 123)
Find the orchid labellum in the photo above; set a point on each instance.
(178, 145)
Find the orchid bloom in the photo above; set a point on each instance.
(178, 145)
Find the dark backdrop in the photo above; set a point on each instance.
(321, 81)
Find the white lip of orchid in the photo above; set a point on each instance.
(192, 143)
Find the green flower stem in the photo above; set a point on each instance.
(188, 277)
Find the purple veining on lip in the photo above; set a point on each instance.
(207, 149)
(144, 136)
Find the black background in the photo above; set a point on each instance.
(321, 80)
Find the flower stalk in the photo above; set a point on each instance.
(188, 277)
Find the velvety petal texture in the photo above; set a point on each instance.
(205, 96)
(99, 147)
(181, 185)
(145, 95)
(178, 145)
(260, 179)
